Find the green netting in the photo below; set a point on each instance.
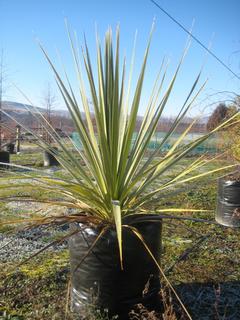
(211, 146)
(76, 140)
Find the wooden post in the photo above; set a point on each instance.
(18, 138)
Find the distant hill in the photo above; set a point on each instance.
(17, 107)
(11, 106)
(24, 114)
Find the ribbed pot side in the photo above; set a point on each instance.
(228, 203)
(99, 280)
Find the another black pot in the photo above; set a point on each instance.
(99, 280)
(10, 148)
(49, 158)
(5, 158)
(228, 202)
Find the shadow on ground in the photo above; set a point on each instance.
(210, 301)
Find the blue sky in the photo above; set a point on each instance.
(21, 21)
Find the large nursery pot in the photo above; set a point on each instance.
(5, 158)
(228, 202)
(99, 279)
(49, 159)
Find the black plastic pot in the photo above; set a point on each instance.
(5, 158)
(10, 148)
(99, 280)
(228, 202)
(49, 159)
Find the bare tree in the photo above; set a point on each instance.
(49, 100)
(2, 79)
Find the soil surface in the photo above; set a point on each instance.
(233, 176)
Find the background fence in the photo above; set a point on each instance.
(212, 145)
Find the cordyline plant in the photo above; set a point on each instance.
(111, 176)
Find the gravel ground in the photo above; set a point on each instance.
(205, 301)
(23, 244)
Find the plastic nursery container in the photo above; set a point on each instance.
(228, 201)
(5, 158)
(10, 148)
(49, 159)
(99, 280)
